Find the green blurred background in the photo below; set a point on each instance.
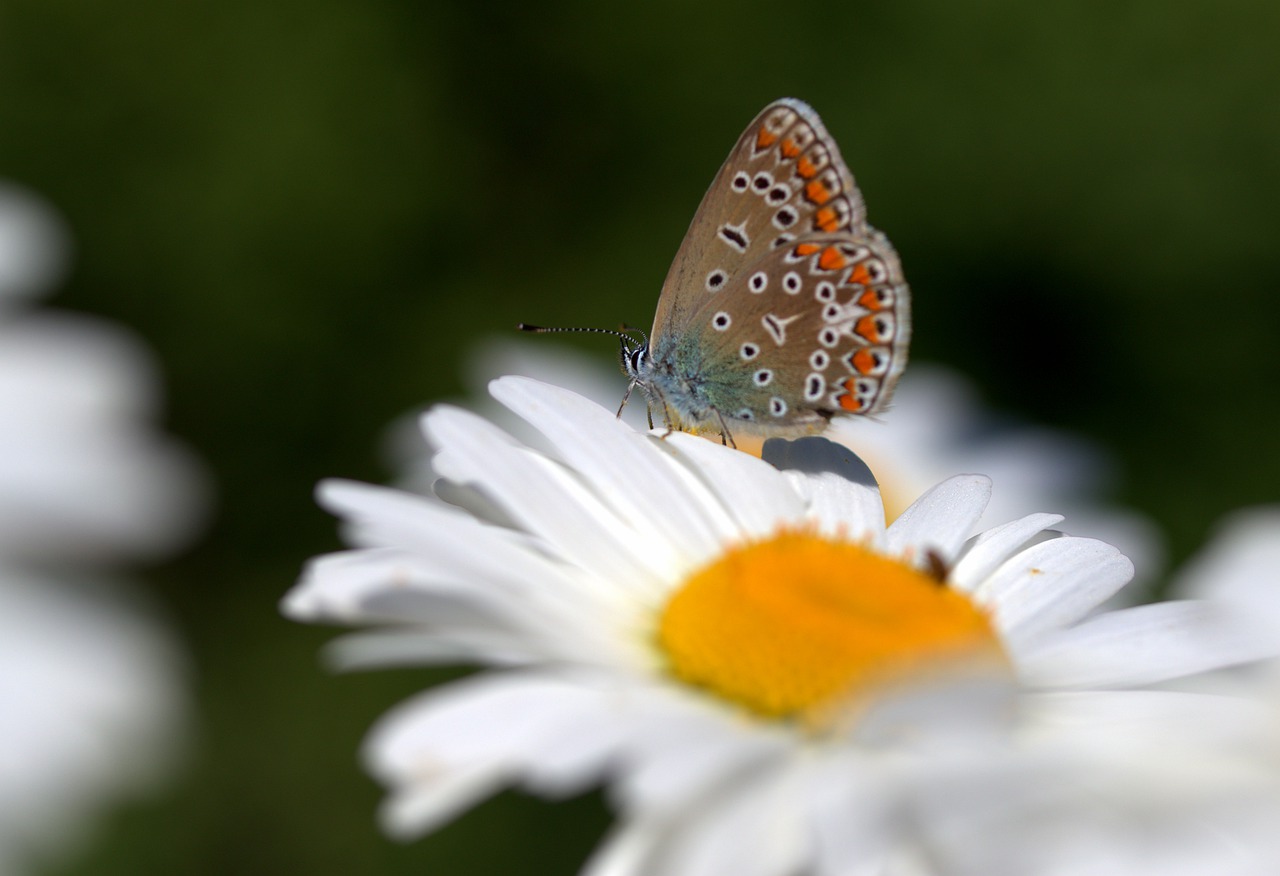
(313, 211)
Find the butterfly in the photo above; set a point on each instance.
(783, 307)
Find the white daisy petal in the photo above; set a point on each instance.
(353, 586)
(453, 546)
(684, 749)
(696, 492)
(615, 458)
(1053, 584)
(764, 805)
(1143, 645)
(389, 584)
(942, 519)
(843, 509)
(986, 552)
(418, 808)
(438, 585)
(854, 815)
(705, 835)
(456, 643)
(629, 848)
(446, 749)
(541, 497)
(368, 509)
(754, 493)
(1119, 724)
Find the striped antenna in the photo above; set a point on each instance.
(624, 335)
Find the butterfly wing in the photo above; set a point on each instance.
(811, 330)
(784, 179)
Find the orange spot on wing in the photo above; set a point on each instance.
(831, 259)
(827, 219)
(859, 275)
(806, 249)
(789, 149)
(765, 139)
(850, 402)
(816, 192)
(868, 327)
(864, 360)
(805, 168)
(871, 300)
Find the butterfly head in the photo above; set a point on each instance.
(635, 359)
(633, 353)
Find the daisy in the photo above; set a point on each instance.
(769, 679)
(91, 688)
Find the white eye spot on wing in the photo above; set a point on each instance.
(814, 385)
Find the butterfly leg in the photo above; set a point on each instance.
(626, 395)
(666, 416)
(725, 438)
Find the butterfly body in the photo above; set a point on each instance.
(690, 382)
(783, 308)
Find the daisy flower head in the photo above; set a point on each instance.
(769, 679)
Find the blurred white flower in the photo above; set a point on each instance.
(33, 245)
(1239, 571)
(1240, 566)
(91, 694)
(83, 476)
(769, 679)
(937, 426)
(91, 697)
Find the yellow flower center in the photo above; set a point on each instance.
(797, 626)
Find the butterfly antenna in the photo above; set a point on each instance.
(626, 337)
(625, 334)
